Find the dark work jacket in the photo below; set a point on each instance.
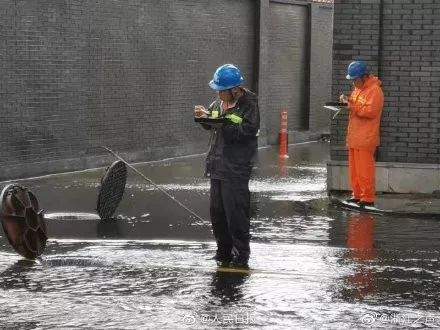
(233, 147)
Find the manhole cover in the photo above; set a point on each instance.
(111, 190)
(23, 221)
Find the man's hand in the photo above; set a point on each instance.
(343, 98)
(200, 111)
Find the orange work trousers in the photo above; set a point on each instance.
(362, 167)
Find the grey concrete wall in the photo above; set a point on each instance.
(402, 45)
(75, 75)
(390, 177)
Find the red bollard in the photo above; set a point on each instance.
(282, 166)
(283, 136)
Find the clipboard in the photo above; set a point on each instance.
(335, 107)
(210, 121)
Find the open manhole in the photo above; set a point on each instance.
(110, 194)
(72, 216)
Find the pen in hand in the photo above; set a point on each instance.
(200, 111)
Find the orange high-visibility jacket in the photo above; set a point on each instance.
(366, 106)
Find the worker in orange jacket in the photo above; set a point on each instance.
(363, 136)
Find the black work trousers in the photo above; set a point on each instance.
(230, 217)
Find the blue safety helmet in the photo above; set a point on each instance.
(226, 77)
(357, 69)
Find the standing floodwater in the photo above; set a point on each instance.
(313, 265)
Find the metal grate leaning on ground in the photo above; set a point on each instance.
(111, 190)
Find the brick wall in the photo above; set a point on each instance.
(401, 42)
(78, 74)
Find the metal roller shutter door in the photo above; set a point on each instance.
(289, 64)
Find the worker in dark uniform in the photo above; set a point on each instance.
(229, 163)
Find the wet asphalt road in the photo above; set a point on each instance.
(313, 266)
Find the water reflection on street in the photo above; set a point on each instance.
(312, 265)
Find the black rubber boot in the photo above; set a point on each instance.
(237, 263)
(222, 259)
(239, 260)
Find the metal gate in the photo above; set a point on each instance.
(289, 65)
